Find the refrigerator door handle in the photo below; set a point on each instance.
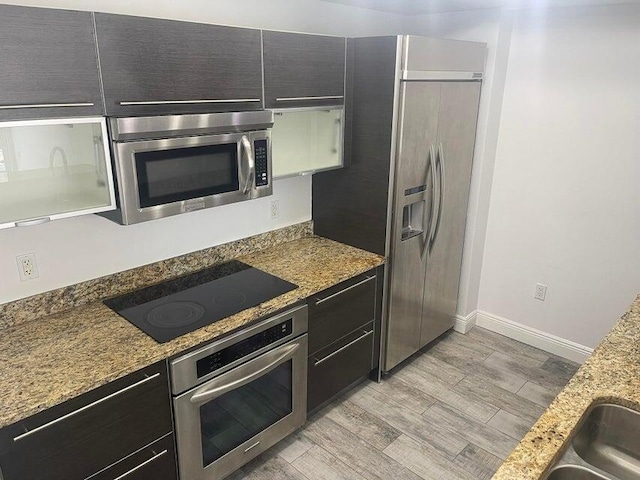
(427, 231)
(441, 182)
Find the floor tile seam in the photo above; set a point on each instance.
(508, 408)
(299, 455)
(465, 395)
(364, 439)
(428, 447)
(433, 399)
(495, 430)
(328, 453)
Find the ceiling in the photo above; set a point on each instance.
(413, 7)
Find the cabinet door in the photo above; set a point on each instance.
(339, 366)
(337, 311)
(151, 66)
(456, 139)
(49, 66)
(303, 70)
(81, 437)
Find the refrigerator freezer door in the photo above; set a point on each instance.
(413, 186)
(456, 138)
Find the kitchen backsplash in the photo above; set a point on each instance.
(59, 300)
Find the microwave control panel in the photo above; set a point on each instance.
(260, 149)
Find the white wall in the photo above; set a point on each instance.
(73, 250)
(565, 199)
(554, 194)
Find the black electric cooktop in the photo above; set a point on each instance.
(182, 305)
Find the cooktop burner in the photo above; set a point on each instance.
(175, 307)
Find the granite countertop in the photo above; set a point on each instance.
(60, 356)
(610, 375)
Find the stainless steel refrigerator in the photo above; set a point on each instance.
(411, 113)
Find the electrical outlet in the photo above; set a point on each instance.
(541, 292)
(27, 267)
(274, 209)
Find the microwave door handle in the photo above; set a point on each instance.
(239, 377)
(251, 175)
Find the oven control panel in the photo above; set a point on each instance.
(260, 150)
(222, 358)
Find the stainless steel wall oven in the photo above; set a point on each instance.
(238, 396)
(174, 164)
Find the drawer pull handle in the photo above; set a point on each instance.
(251, 447)
(188, 102)
(364, 335)
(141, 465)
(321, 300)
(45, 105)
(325, 97)
(86, 407)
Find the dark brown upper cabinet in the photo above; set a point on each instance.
(151, 66)
(49, 65)
(303, 70)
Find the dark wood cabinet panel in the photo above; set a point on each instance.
(204, 68)
(154, 462)
(303, 66)
(336, 312)
(350, 204)
(339, 366)
(87, 434)
(344, 324)
(48, 57)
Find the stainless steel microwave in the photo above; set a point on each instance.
(174, 164)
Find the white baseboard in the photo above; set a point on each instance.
(465, 323)
(525, 334)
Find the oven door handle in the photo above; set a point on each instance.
(251, 175)
(239, 377)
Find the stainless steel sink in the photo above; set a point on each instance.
(605, 446)
(609, 439)
(573, 472)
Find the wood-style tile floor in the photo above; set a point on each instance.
(452, 411)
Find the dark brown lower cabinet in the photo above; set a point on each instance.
(95, 432)
(342, 335)
(339, 366)
(154, 462)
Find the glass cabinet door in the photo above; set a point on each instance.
(53, 169)
(305, 141)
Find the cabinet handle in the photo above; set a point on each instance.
(46, 105)
(324, 359)
(326, 97)
(141, 465)
(29, 223)
(86, 407)
(187, 102)
(321, 300)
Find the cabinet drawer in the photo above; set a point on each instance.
(84, 435)
(156, 461)
(334, 368)
(337, 311)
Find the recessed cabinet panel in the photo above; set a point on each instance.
(52, 169)
(152, 66)
(306, 141)
(49, 65)
(303, 70)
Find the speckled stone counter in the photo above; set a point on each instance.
(610, 375)
(45, 362)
